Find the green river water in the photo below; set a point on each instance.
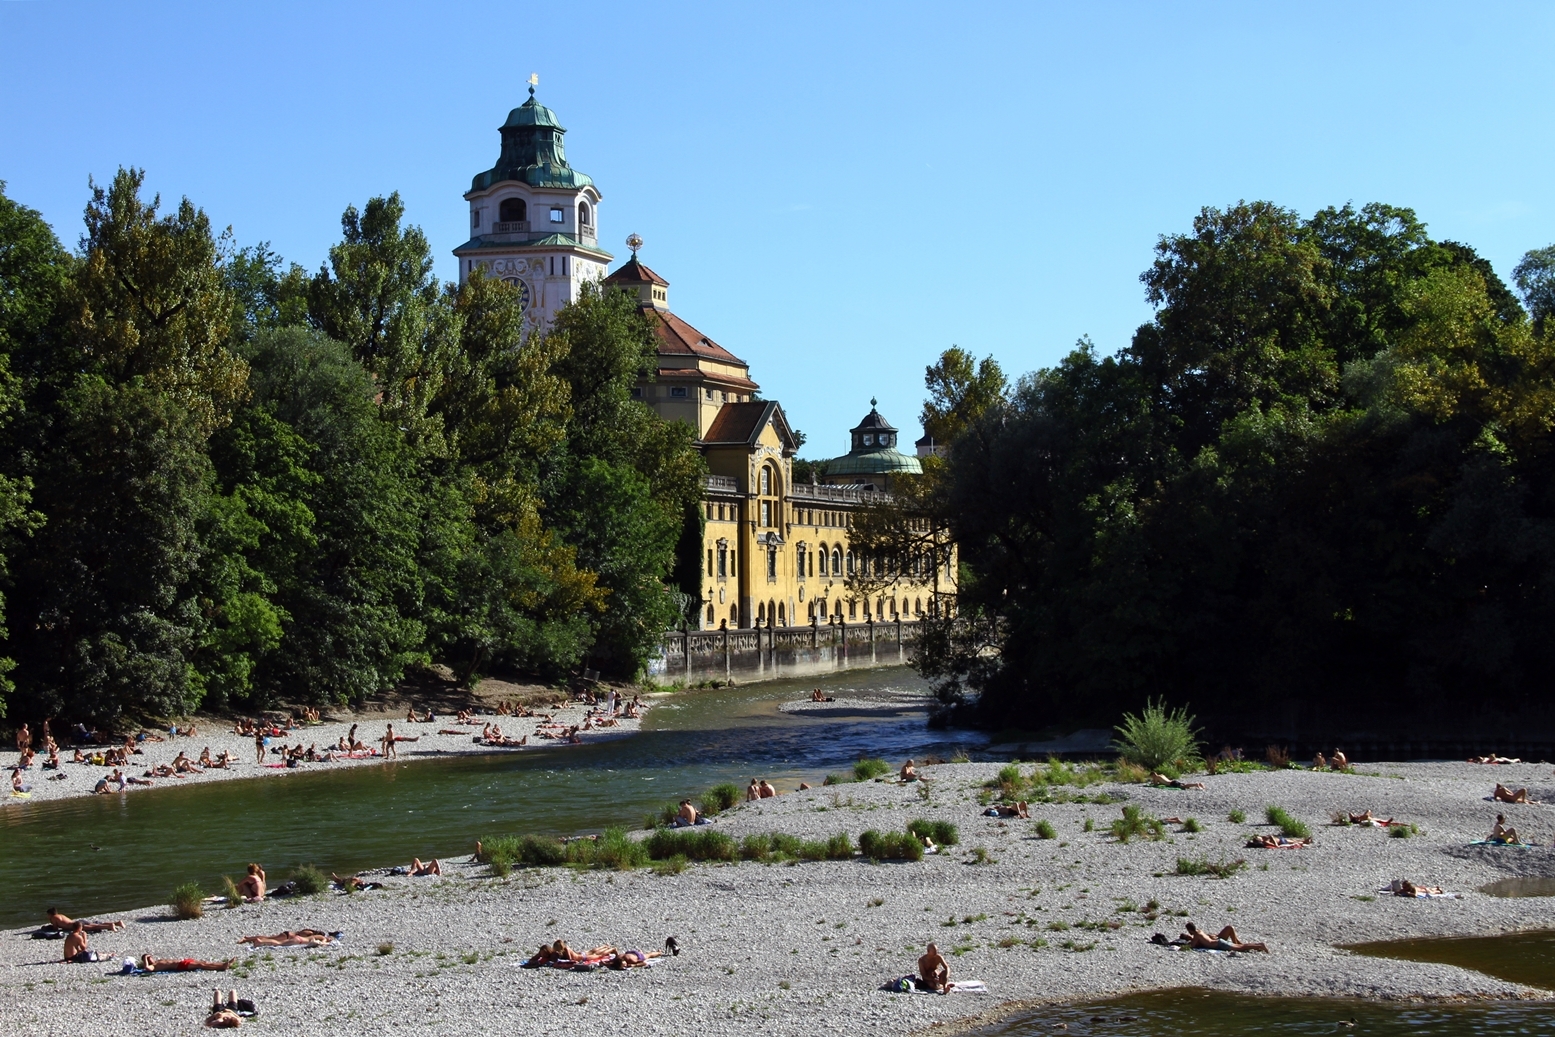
(113, 853)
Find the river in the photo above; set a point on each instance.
(113, 853)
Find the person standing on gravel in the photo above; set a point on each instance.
(389, 751)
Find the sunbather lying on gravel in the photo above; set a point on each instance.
(1174, 783)
(1502, 794)
(62, 921)
(291, 938)
(1276, 842)
(151, 964)
(1225, 940)
(1405, 888)
(431, 867)
(1003, 810)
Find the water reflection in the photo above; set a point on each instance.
(1515, 957)
(1214, 1012)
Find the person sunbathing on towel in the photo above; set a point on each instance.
(151, 964)
(1275, 842)
(1405, 888)
(687, 815)
(1502, 832)
(65, 922)
(1225, 940)
(1174, 783)
(431, 867)
(1001, 810)
(1506, 795)
(291, 938)
(632, 959)
(561, 951)
(934, 971)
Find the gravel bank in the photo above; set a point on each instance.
(801, 949)
(81, 778)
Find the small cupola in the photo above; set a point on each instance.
(874, 432)
(633, 276)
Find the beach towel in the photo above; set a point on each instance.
(1422, 895)
(910, 985)
(1500, 842)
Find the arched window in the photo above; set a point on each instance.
(810, 611)
(710, 618)
(917, 606)
(782, 615)
(512, 209)
(761, 612)
(852, 565)
(836, 561)
(852, 609)
(734, 615)
(584, 219)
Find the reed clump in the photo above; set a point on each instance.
(188, 901)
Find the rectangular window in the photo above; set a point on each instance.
(734, 564)
(678, 391)
(766, 513)
(723, 561)
(637, 392)
(556, 216)
(475, 218)
(771, 563)
(709, 561)
(709, 393)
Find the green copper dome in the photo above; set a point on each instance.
(532, 152)
(874, 451)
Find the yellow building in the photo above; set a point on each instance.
(776, 552)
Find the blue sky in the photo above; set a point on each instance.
(835, 191)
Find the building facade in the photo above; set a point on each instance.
(775, 552)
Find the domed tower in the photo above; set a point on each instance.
(533, 218)
(874, 459)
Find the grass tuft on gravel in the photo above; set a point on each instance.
(942, 832)
(868, 770)
(890, 846)
(188, 901)
(1221, 869)
(1288, 825)
(309, 880)
(1135, 823)
(720, 797)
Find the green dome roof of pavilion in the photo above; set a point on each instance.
(880, 461)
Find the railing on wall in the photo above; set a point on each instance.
(678, 643)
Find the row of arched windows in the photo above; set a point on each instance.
(513, 210)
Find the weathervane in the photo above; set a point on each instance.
(634, 242)
(534, 81)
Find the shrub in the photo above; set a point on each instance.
(836, 779)
(538, 851)
(1008, 780)
(665, 815)
(886, 846)
(1221, 869)
(1135, 822)
(229, 889)
(308, 880)
(1045, 830)
(980, 856)
(188, 901)
(1090, 825)
(1158, 737)
(1191, 824)
(1129, 771)
(1289, 826)
(720, 798)
(865, 770)
(385, 949)
(1402, 831)
(839, 847)
(671, 865)
(615, 849)
(693, 844)
(942, 832)
(960, 756)
(1277, 756)
(812, 850)
(756, 848)
(1236, 817)
(500, 853)
(785, 845)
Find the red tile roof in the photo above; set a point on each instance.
(676, 337)
(741, 423)
(633, 272)
(696, 374)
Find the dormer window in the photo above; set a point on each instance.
(512, 210)
(869, 439)
(557, 216)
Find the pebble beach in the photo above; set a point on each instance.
(804, 948)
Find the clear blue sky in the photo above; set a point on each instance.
(835, 191)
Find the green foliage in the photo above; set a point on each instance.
(1191, 824)
(942, 832)
(1221, 869)
(1288, 825)
(1135, 823)
(1158, 737)
(883, 846)
(866, 770)
(1045, 830)
(309, 880)
(720, 798)
(1236, 817)
(1304, 471)
(229, 890)
(188, 901)
(695, 844)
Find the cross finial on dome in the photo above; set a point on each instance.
(534, 81)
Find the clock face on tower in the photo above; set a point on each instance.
(523, 291)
